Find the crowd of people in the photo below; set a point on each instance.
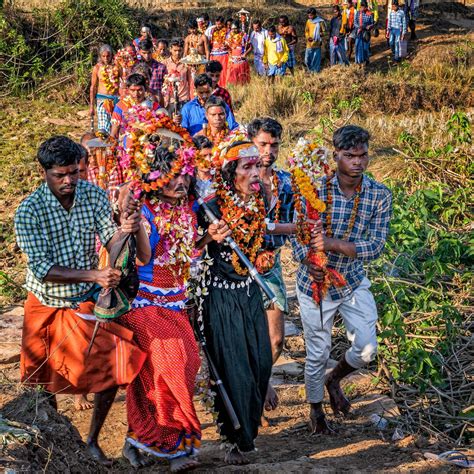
(171, 167)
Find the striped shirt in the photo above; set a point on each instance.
(50, 235)
(369, 234)
(397, 21)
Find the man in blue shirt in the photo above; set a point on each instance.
(193, 114)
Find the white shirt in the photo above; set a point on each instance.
(257, 39)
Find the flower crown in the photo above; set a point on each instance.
(219, 152)
(143, 134)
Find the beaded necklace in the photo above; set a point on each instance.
(355, 209)
(276, 209)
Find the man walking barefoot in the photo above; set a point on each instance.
(353, 231)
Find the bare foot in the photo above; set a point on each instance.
(339, 403)
(81, 403)
(134, 456)
(97, 454)
(234, 456)
(264, 422)
(271, 399)
(318, 423)
(183, 463)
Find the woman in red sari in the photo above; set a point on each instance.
(162, 419)
(238, 71)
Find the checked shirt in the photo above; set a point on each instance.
(397, 20)
(369, 234)
(158, 73)
(50, 235)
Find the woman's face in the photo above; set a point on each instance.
(247, 181)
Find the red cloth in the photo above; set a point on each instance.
(54, 347)
(238, 73)
(160, 410)
(224, 60)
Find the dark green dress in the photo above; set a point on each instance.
(236, 330)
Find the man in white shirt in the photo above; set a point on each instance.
(255, 44)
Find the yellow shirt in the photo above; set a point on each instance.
(309, 33)
(270, 54)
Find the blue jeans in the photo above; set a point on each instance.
(337, 52)
(362, 50)
(312, 59)
(394, 40)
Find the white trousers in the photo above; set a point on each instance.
(359, 313)
(258, 64)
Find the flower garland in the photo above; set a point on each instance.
(110, 77)
(216, 138)
(308, 163)
(276, 210)
(355, 209)
(245, 219)
(218, 38)
(178, 234)
(125, 59)
(140, 139)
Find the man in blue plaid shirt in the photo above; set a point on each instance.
(360, 210)
(396, 29)
(266, 135)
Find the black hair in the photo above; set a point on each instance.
(350, 136)
(202, 80)
(228, 171)
(164, 41)
(229, 20)
(213, 66)
(177, 42)
(145, 45)
(220, 19)
(192, 24)
(311, 11)
(264, 124)
(162, 160)
(363, 3)
(205, 16)
(257, 22)
(84, 154)
(136, 79)
(214, 101)
(58, 151)
(284, 17)
(272, 29)
(337, 7)
(201, 142)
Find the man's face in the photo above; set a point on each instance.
(147, 56)
(176, 189)
(203, 93)
(192, 31)
(83, 169)
(256, 27)
(62, 180)
(354, 161)
(176, 52)
(219, 25)
(247, 176)
(216, 117)
(130, 50)
(144, 33)
(106, 57)
(268, 147)
(215, 77)
(161, 48)
(137, 93)
(271, 34)
(311, 16)
(283, 22)
(243, 18)
(336, 12)
(394, 8)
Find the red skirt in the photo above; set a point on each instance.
(224, 60)
(54, 347)
(238, 73)
(160, 410)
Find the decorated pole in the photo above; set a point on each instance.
(308, 165)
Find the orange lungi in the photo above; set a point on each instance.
(55, 343)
